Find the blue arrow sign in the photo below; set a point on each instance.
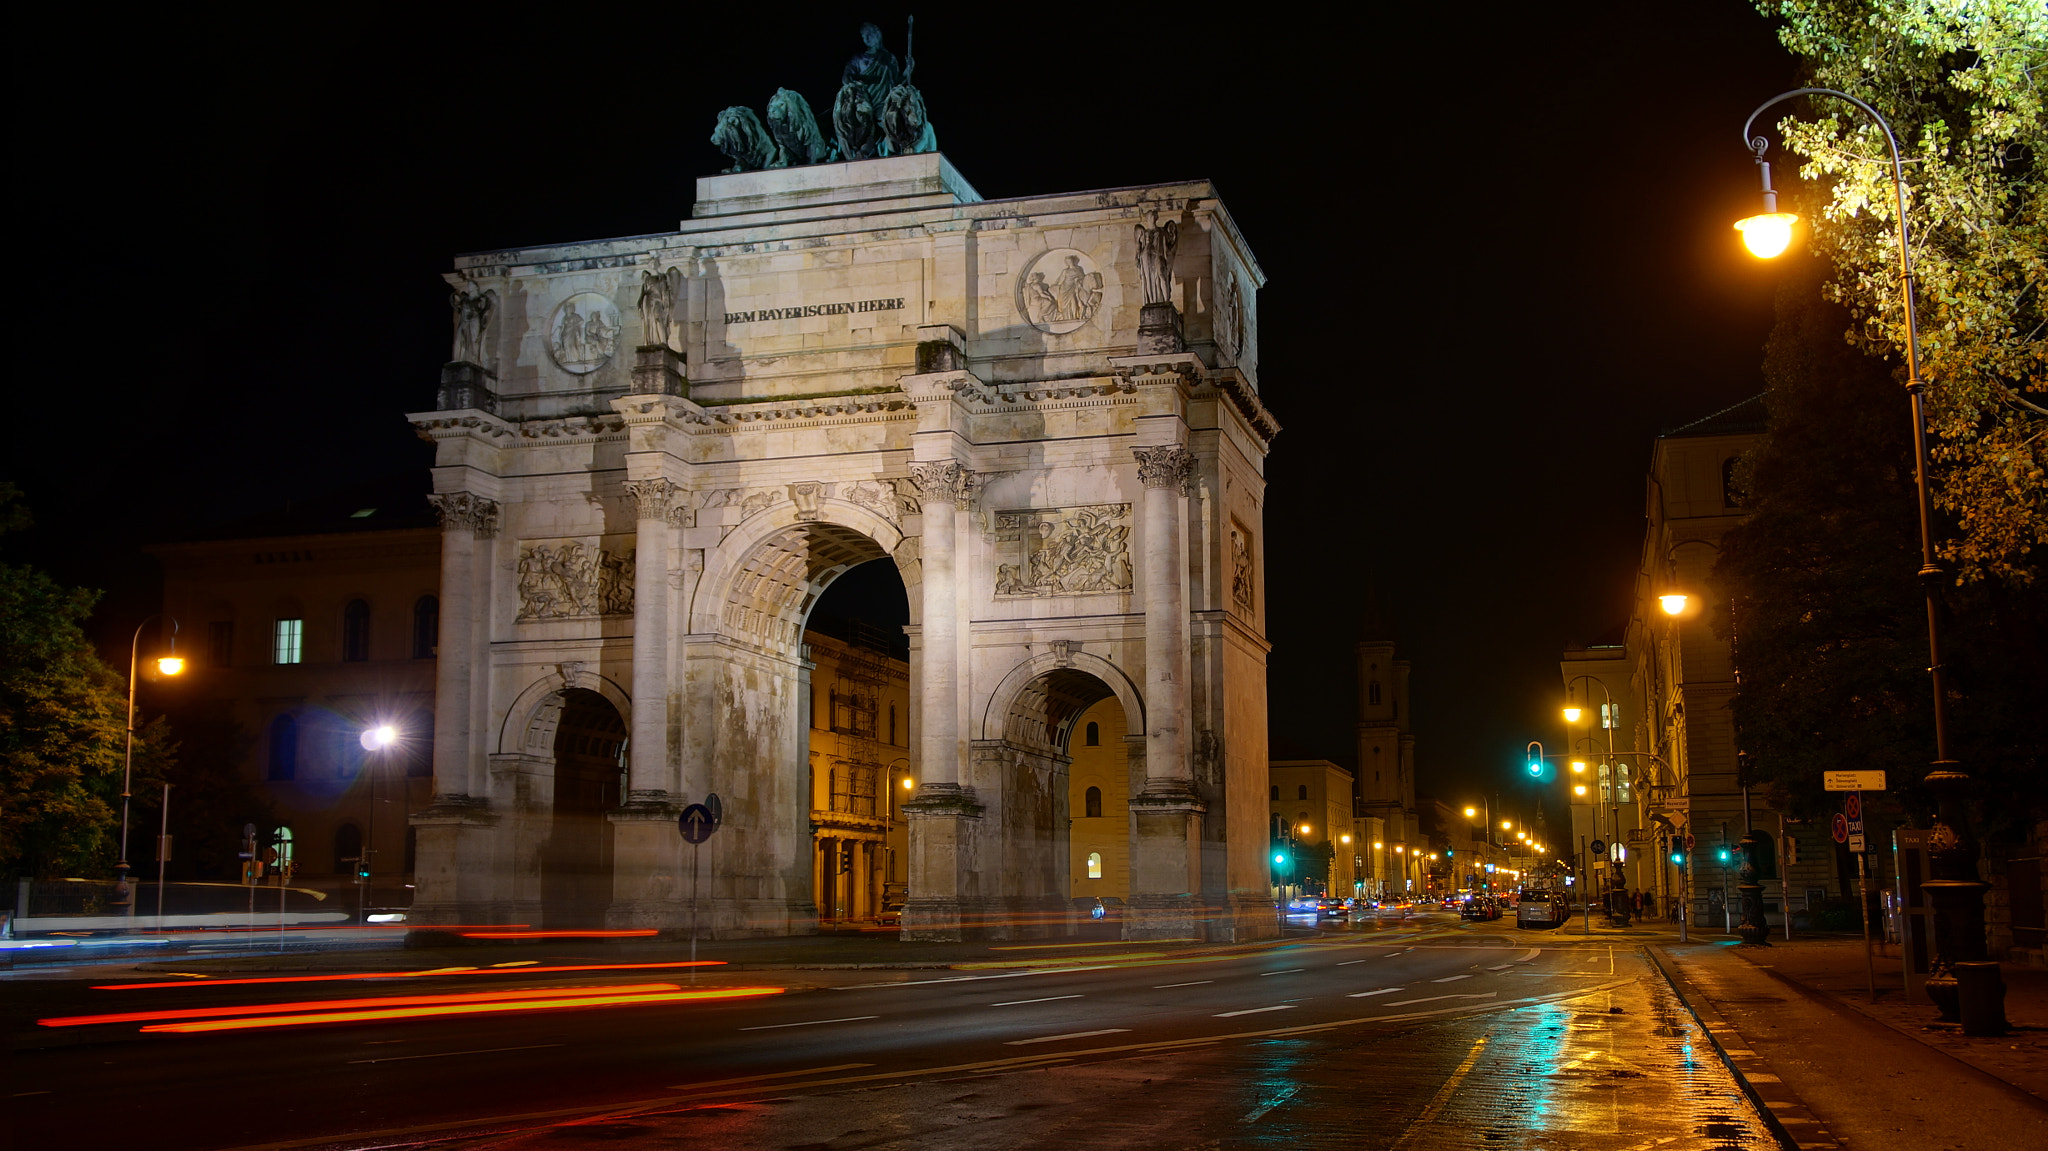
(697, 823)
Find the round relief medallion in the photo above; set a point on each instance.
(1060, 291)
(583, 331)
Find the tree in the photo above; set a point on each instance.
(63, 717)
(1825, 610)
(1960, 82)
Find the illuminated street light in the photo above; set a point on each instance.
(379, 737)
(1579, 766)
(1571, 714)
(1953, 886)
(170, 664)
(1674, 602)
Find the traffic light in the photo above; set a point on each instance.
(1723, 855)
(1535, 767)
(1678, 856)
(362, 869)
(1450, 852)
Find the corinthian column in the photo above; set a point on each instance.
(944, 840)
(1165, 473)
(465, 519)
(648, 778)
(1166, 849)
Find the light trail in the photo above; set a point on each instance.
(434, 972)
(495, 1007)
(319, 1004)
(622, 933)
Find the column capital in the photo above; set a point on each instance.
(1171, 466)
(467, 510)
(652, 496)
(946, 480)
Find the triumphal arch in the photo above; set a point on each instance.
(654, 453)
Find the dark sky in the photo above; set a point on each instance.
(1497, 239)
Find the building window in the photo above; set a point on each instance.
(426, 627)
(412, 849)
(1092, 803)
(355, 632)
(284, 747)
(892, 725)
(1731, 491)
(1301, 792)
(1094, 735)
(1276, 791)
(287, 643)
(220, 643)
(1095, 865)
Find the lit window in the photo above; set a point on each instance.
(1095, 865)
(288, 641)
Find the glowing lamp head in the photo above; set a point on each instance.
(908, 783)
(1470, 812)
(1344, 839)
(1674, 603)
(380, 737)
(1507, 825)
(1767, 235)
(1303, 829)
(170, 665)
(1579, 766)
(1579, 789)
(1571, 714)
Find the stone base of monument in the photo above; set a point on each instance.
(658, 371)
(466, 386)
(1159, 330)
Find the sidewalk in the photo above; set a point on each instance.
(1796, 1021)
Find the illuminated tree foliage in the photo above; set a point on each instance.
(1960, 81)
(62, 736)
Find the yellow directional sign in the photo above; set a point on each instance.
(1855, 781)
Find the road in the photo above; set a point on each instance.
(1437, 1035)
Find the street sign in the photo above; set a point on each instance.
(1688, 841)
(1853, 780)
(1852, 810)
(1841, 828)
(697, 823)
(1599, 847)
(717, 808)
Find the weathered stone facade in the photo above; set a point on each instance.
(647, 479)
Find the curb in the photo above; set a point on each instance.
(1748, 1067)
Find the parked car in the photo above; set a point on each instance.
(1480, 907)
(1332, 909)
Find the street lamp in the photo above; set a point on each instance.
(1957, 895)
(168, 664)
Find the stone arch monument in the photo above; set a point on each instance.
(654, 453)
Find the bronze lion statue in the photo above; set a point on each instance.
(740, 136)
(795, 129)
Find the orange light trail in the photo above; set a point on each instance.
(625, 933)
(426, 974)
(461, 1009)
(382, 1001)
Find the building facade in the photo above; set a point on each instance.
(654, 453)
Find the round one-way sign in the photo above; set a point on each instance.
(697, 823)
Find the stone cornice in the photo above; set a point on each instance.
(1235, 388)
(467, 423)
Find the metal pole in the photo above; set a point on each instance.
(1585, 880)
(123, 891)
(163, 843)
(1863, 906)
(696, 852)
(1784, 877)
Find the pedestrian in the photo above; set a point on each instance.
(1649, 904)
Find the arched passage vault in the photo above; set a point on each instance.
(655, 452)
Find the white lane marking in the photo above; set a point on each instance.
(1553, 974)
(1381, 991)
(1069, 1035)
(1436, 1105)
(809, 1023)
(1450, 979)
(1196, 983)
(1349, 962)
(1289, 971)
(445, 1054)
(1502, 967)
(1530, 954)
(1016, 1002)
(773, 1075)
(1253, 1011)
(1257, 1112)
(1434, 998)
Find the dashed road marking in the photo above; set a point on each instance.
(1069, 1035)
(1253, 1011)
(809, 1023)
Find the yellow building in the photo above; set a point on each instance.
(1311, 802)
(860, 770)
(1098, 796)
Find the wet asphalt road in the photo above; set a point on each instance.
(1445, 1035)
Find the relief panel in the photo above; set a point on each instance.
(1063, 551)
(575, 578)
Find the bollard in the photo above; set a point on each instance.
(1980, 994)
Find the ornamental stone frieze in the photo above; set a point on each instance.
(572, 579)
(1241, 592)
(465, 510)
(1172, 466)
(1063, 551)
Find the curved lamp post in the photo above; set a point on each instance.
(167, 664)
(1954, 890)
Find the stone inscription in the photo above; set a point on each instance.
(572, 579)
(802, 310)
(1064, 551)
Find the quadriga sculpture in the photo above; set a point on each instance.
(795, 128)
(742, 138)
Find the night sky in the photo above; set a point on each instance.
(1497, 239)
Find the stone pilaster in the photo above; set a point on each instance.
(466, 519)
(944, 814)
(1166, 862)
(646, 844)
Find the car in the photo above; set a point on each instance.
(1332, 909)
